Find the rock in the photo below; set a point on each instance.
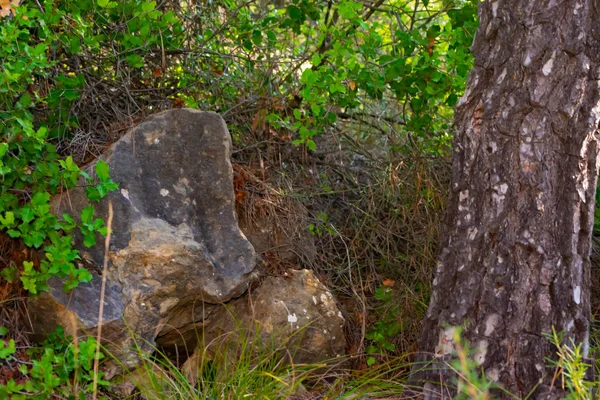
(176, 247)
(296, 315)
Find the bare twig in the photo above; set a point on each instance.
(102, 293)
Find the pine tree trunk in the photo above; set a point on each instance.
(515, 258)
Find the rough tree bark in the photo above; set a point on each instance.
(515, 258)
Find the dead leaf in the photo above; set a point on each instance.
(177, 103)
(8, 7)
(388, 282)
(430, 47)
(258, 120)
(240, 195)
(157, 73)
(352, 85)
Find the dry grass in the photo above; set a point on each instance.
(373, 219)
(13, 309)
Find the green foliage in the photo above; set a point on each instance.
(59, 367)
(7, 348)
(381, 335)
(422, 65)
(36, 99)
(321, 226)
(472, 382)
(571, 365)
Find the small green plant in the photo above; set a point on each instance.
(322, 226)
(60, 367)
(7, 348)
(389, 326)
(472, 383)
(383, 380)
(571, 368)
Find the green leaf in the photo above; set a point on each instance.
(35, 239)
(84, 275)
(41, 133)
(8, 220)
(27, 268)
(135, 61)
(87, 214)
(316, 110)
(3, 149)
(452, 100)
(311, 145)
(98, 223)
(7, 350)
(89, 239)
(13, 233)
(102, 170)
(295, 13)
(40, 198)
(10, 273)
(27, 214)
(86, 175)
(370, 361)
(304, 132)
(29, 284)
(257, 37)
(92, 193)
(68, 224)
(316, 60)
(103, 3)
(3, 331)
(148, 6)
(68, 164)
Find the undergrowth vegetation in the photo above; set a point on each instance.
(341, 117)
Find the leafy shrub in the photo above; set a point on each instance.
(60, 367)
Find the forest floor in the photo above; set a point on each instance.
(370, 226)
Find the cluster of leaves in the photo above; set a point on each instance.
(349, 58)
(572, 365)
(322, 226)
(381, 335)
(60, 367)
(420, 64)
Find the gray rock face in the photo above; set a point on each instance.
(296, 315)
(176, 244)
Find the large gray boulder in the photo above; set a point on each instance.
(176, 247)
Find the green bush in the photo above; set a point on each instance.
(60, 367)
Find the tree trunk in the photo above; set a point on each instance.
(515, 258)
